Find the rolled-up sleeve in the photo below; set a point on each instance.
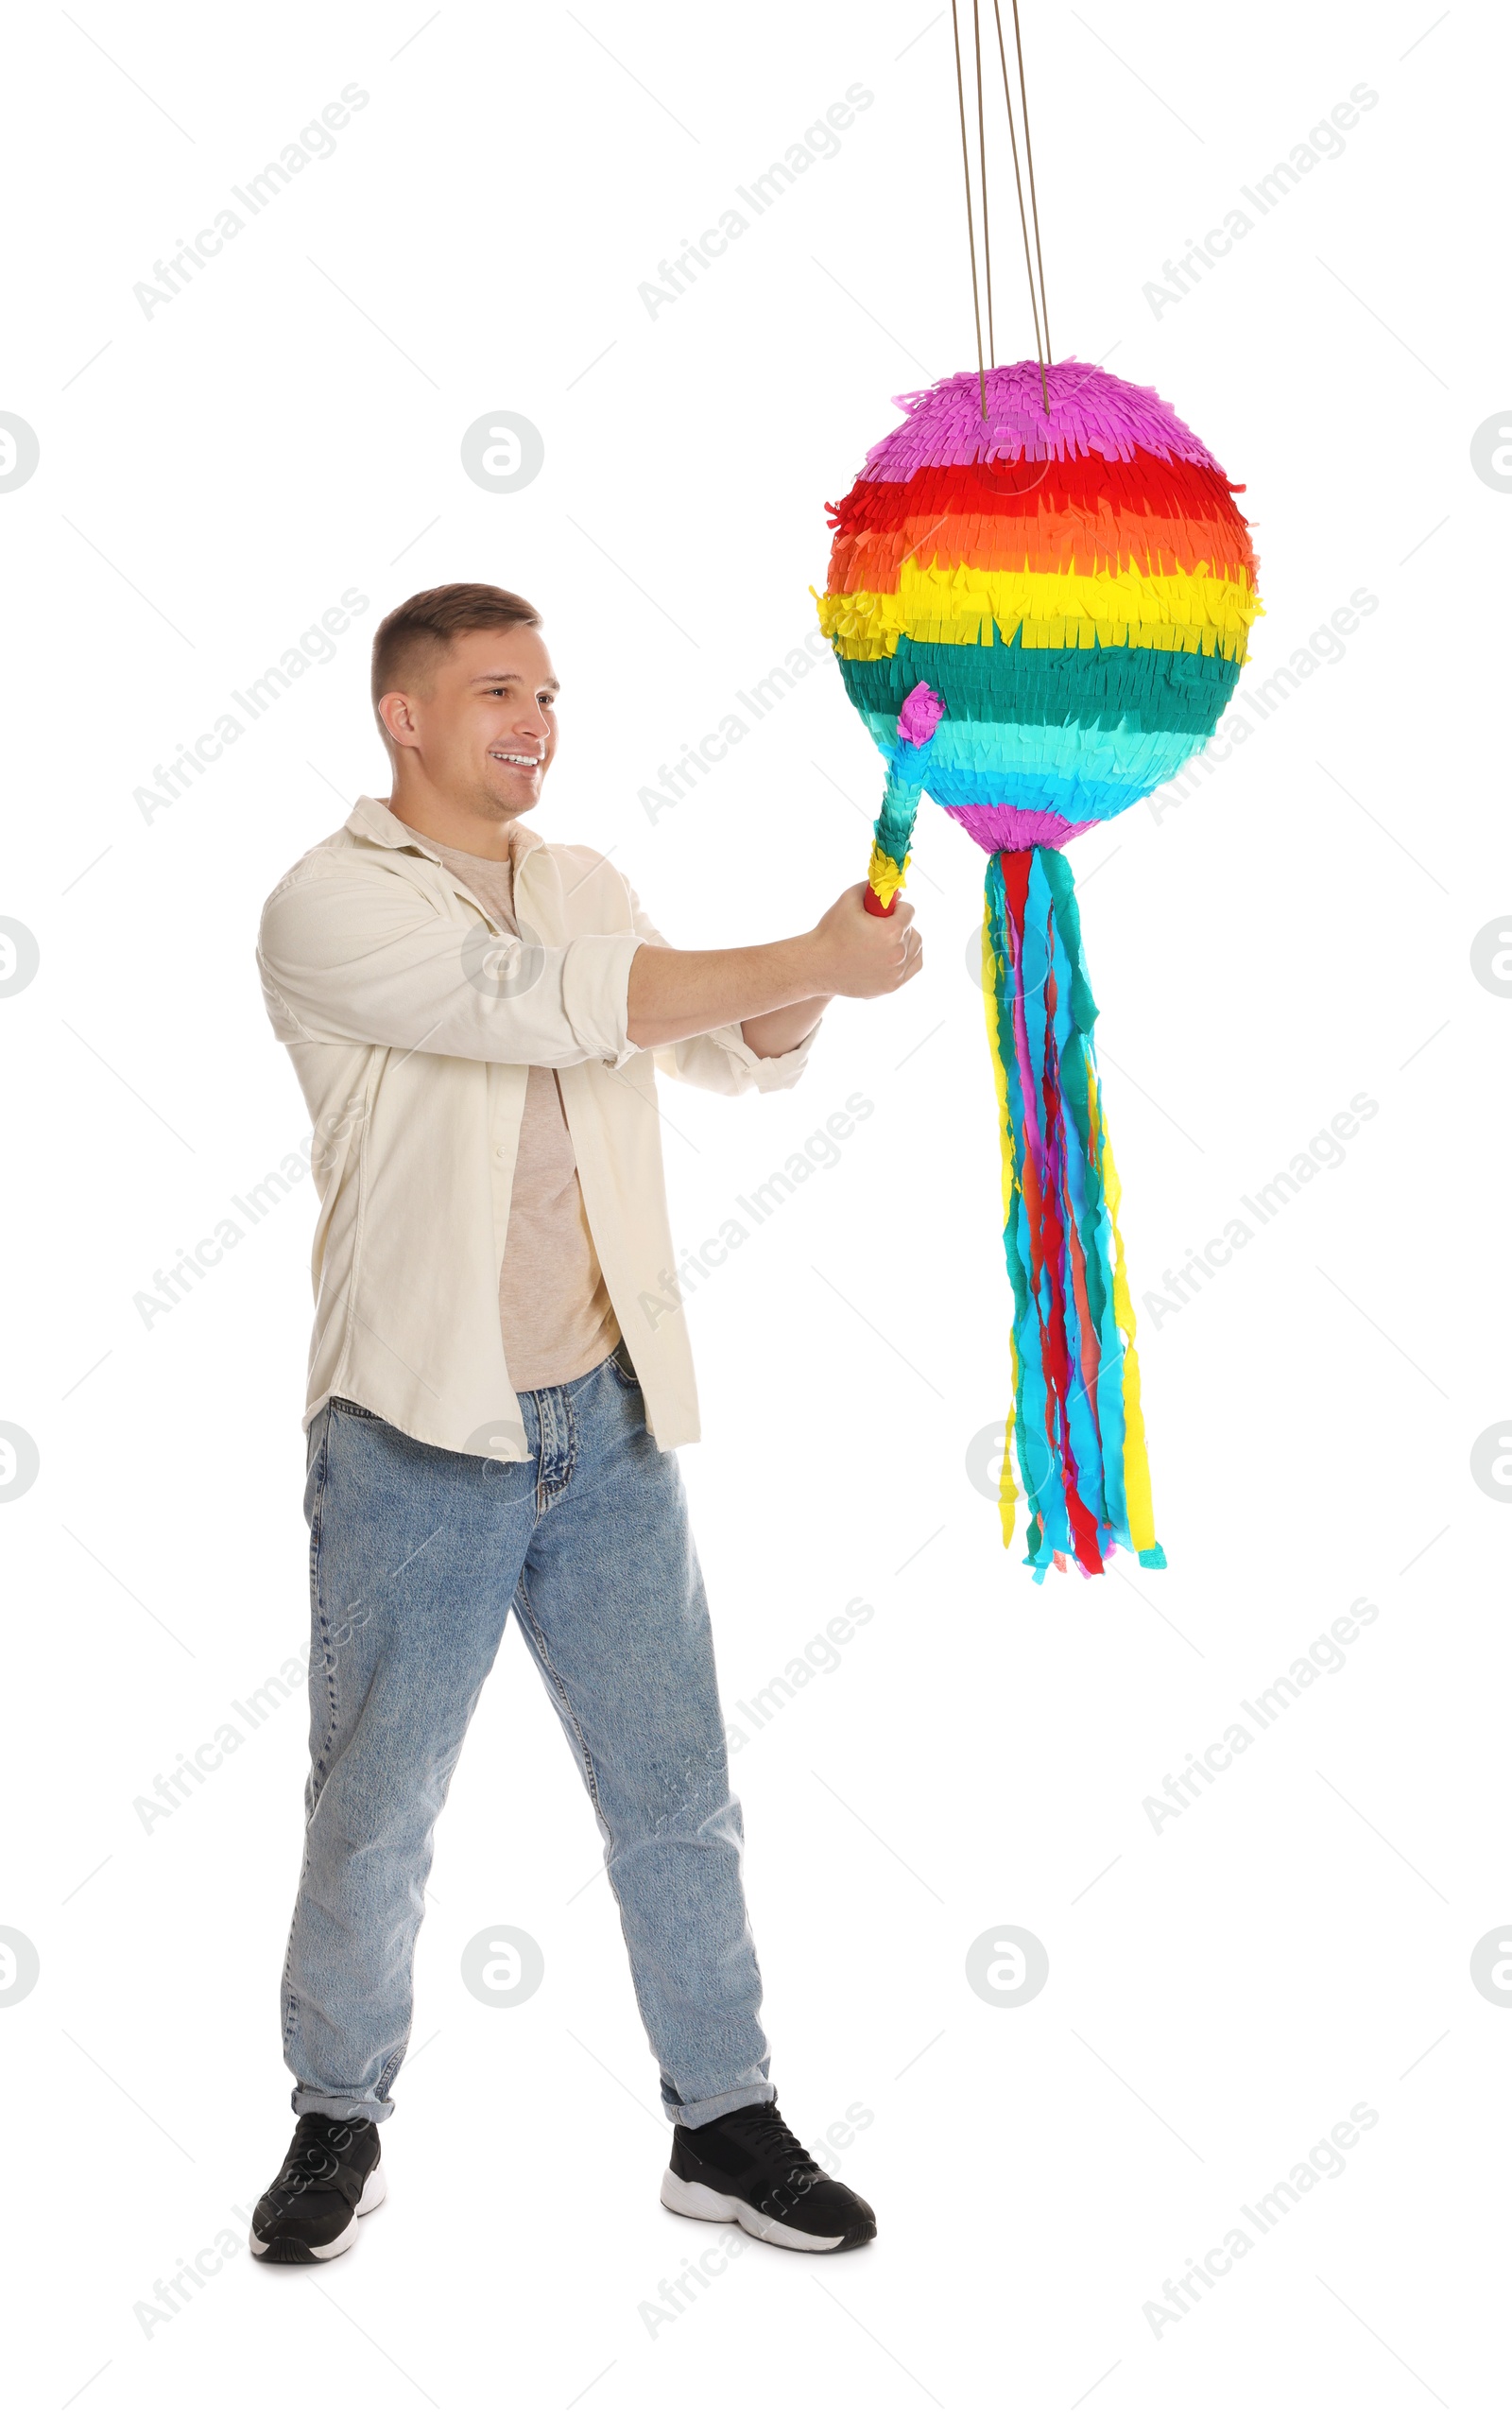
(721, 1061)
(347, 958)
(724, 1061)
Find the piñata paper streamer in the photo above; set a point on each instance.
(1041, 616)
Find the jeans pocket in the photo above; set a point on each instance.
(623, 1367)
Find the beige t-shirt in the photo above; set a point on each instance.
(554, 1308)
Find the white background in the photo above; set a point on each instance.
(1221, 1992)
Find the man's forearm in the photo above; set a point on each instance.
(773, 988)
(776, 992)
(782, 1029)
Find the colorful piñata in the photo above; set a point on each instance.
(1041, 616)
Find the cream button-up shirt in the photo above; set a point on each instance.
(412, 1020)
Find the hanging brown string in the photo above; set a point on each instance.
(981, 153)
(1041, 348)
(1028, 153)
(970, 224)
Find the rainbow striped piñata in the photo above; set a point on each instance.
(1041, 616)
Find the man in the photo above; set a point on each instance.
(498, 1375)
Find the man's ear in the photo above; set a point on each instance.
(395, 713)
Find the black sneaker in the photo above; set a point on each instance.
(751, 2167)
(330, 2180)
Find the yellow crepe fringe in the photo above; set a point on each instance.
(963, 607)
(886, 874)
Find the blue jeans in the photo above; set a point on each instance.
(415, 1556)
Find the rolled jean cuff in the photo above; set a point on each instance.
(334, 2104)
(719, 2104)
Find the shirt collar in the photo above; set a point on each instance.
(372, 821)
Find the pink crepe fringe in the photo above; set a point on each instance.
(1016, 827)
(1090, 413)
(921, 716)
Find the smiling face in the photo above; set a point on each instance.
(474, 726)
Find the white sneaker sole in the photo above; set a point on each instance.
(701, 2201)
(374, 2191)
